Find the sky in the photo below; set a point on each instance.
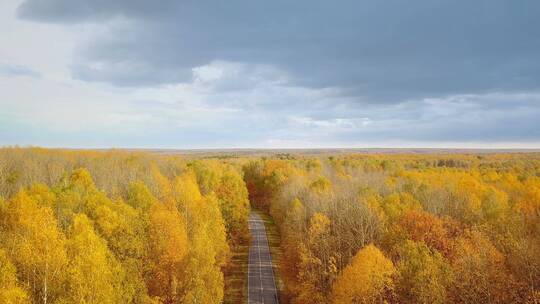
(191, 74)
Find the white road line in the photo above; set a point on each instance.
(258, 232)
(249, 258)
(260, 268)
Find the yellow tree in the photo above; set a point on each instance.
(204, 279)
(36, 246)
(73, 197)
(367, 279)
(118, 223)
(228, 185)
(316, 268)
(480, 271)
(42, 195)
(141, 254)
(208, 250)
(124, 230)
(94, 274)
(423, 275)
(139, 197)
(321, 185)
(528, 204)
(467, 194)
(168, 246)
(396, 204)
(234, 203)
(293, 230)
(11, 292)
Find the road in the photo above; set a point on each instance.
(261, 282)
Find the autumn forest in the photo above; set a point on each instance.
(82, 226)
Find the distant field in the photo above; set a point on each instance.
(209, 153)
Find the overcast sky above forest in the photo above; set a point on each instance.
(272, 74)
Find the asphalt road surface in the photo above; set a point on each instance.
(261, 283)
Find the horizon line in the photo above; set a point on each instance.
(254, 149)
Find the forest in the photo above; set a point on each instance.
(117, 226)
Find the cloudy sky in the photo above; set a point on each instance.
(281, 73)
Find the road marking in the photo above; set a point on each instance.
(257, 294)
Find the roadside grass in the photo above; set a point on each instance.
(274, 241)
(236, 274)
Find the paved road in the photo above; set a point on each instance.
(261, 283)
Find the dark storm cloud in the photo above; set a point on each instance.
(314, 71)
(386, 51)
(67, 11)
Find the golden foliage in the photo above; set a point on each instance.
(367, 279)
(152, 228)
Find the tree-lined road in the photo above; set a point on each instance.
(261, 282)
